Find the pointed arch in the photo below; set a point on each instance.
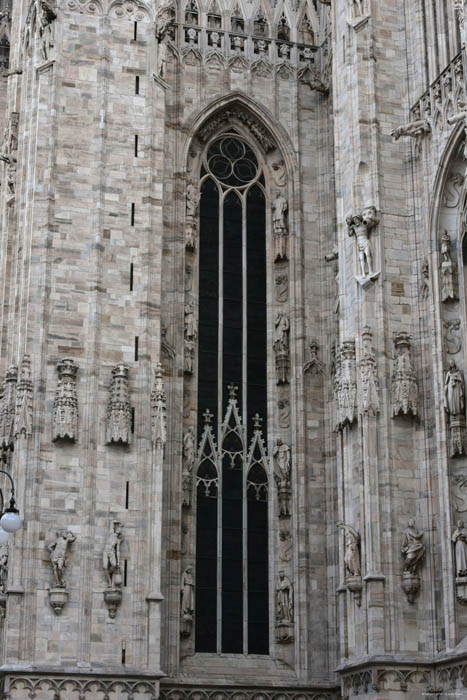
(191, 12)
(237, 20)
(307, 20)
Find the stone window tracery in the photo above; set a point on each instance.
(231, 473)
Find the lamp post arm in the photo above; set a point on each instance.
(2, 471)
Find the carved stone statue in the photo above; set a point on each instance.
(403, 380)
(454, 403)
(284, 599)
(189, 454)
(352, 549)
(164, 25)
(191, 322)
(412, 548)
(459, 538)
(281, 347)
(283, 406)
(4, 553)
(369, 375)
(187, 604)
(454, 391)
(9, 151)
(360, 225)
(111, 566)
(111, 555)
(119, 413)
(353, 579)
(23, 409)
(414, 129)
(58, 551)
(448, 271)
(282, 287)
(65, 409)
(189, 356)
(192, 208)
(46, 16)
(279, 226)
(282, 476)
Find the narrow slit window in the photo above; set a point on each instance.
(135, 30)
(131, 277)
(125, 571)
(127, 494)
(133, 213)
(136, 347)
(136, 145)
(132, 419)
(137, 85)
(123, 643)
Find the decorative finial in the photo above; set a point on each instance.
(257, 420)
(208, 416)
(232, 391)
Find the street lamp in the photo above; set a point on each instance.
(9, 518)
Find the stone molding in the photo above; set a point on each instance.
(178, 692)
(57, 687)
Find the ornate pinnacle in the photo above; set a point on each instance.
(208, 416)
(257, 420)
(232, 391)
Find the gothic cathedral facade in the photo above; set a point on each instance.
(233, 349)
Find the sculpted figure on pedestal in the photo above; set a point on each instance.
(164, 25)
(360, 225)
(454, 403)
(454, 391)
(459, 538)
(111, 555)
(281, 347)
(282, 474)
(448, 270)
(4, 553)
(412, 548)
(284, 598)
(189, 453)
(58, 551)
(187, 604)
(46, 15)
(352, 549)
(279, 226)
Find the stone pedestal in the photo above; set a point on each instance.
(284, 632)
(354, 584)
(58, 598)
(411, 585)
(461, 589)
(112, 598)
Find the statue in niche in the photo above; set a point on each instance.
(448, 270)
(111, 555)
(281, 347)
(191, 322)
(285, 545)
(58, 551)
(454, 403)
(459, 539)
(4, 553)
(192, 208)
(279, 226)
(188, 278)
(353, 579)
(189, 356)
(412, 548)
(9, 151)
(352, 549)
(360, 225)
(186, 403)
(282, 476)
(187, 605)
(284, 599)
(189, 450)
(454, 391)
(426, 279)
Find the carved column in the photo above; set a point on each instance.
(119, 408)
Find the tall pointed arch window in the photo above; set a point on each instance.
(231, 611)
